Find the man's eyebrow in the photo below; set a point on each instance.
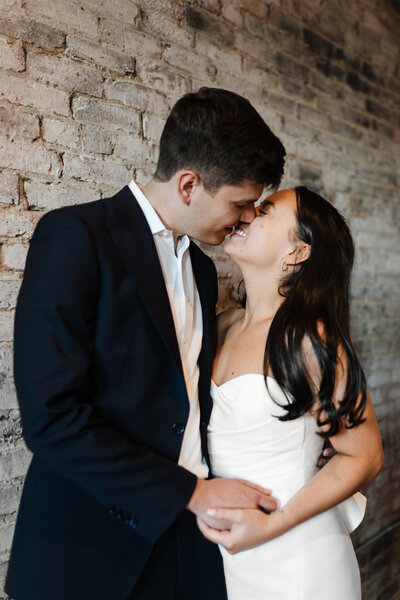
(242, 201)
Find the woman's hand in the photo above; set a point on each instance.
(249, 528)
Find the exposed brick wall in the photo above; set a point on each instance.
(84, 89)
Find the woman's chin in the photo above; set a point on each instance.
(230, 250)
(228, 247)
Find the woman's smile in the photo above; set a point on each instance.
(239, 232)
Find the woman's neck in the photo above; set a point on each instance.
(262, 299)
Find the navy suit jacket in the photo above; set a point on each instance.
(104, 406)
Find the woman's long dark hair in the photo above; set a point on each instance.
(316, 304)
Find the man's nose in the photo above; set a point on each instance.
(248, 213)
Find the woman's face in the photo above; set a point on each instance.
(271, 237)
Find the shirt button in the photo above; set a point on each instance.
(179, 428)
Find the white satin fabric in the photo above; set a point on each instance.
(313, 561)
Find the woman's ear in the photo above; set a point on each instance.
(298, 255)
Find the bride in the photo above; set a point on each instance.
(286, 377)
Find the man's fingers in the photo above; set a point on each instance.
(257, 488)
(328, 452)
(269, 504)
(263, 499)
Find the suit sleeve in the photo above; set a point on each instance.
(54, 329)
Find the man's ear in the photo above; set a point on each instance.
(298, 255)
(187, 182)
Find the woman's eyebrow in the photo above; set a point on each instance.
(267, 203)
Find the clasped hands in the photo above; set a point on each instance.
(240, 515)
(243, 517)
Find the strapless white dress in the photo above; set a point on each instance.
(313, 561)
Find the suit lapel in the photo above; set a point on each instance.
(134, 240)
(204, 285)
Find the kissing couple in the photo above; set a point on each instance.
(174, 454)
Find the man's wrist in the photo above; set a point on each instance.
(192, 505)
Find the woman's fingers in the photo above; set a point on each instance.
(214, 535)
(234, 515)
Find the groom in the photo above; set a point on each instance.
(114, 338)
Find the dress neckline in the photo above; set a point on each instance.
(240, 377)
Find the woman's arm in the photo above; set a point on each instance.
(358, 460)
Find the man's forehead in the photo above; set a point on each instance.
(247, 191)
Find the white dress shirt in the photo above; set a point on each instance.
(186, 311)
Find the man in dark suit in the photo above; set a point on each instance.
(113, 351)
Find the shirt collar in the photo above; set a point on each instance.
(152, 218)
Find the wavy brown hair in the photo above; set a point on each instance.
(316, 305)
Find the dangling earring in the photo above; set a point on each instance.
(284, 267)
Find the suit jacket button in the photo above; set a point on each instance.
(133, 523)
(179, 428)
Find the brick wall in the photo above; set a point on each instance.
(84, 89)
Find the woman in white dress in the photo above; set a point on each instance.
(285, 377)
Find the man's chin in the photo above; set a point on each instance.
(212, 240)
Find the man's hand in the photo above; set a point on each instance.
(327, 452)
(228, 493)
(249, 528)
